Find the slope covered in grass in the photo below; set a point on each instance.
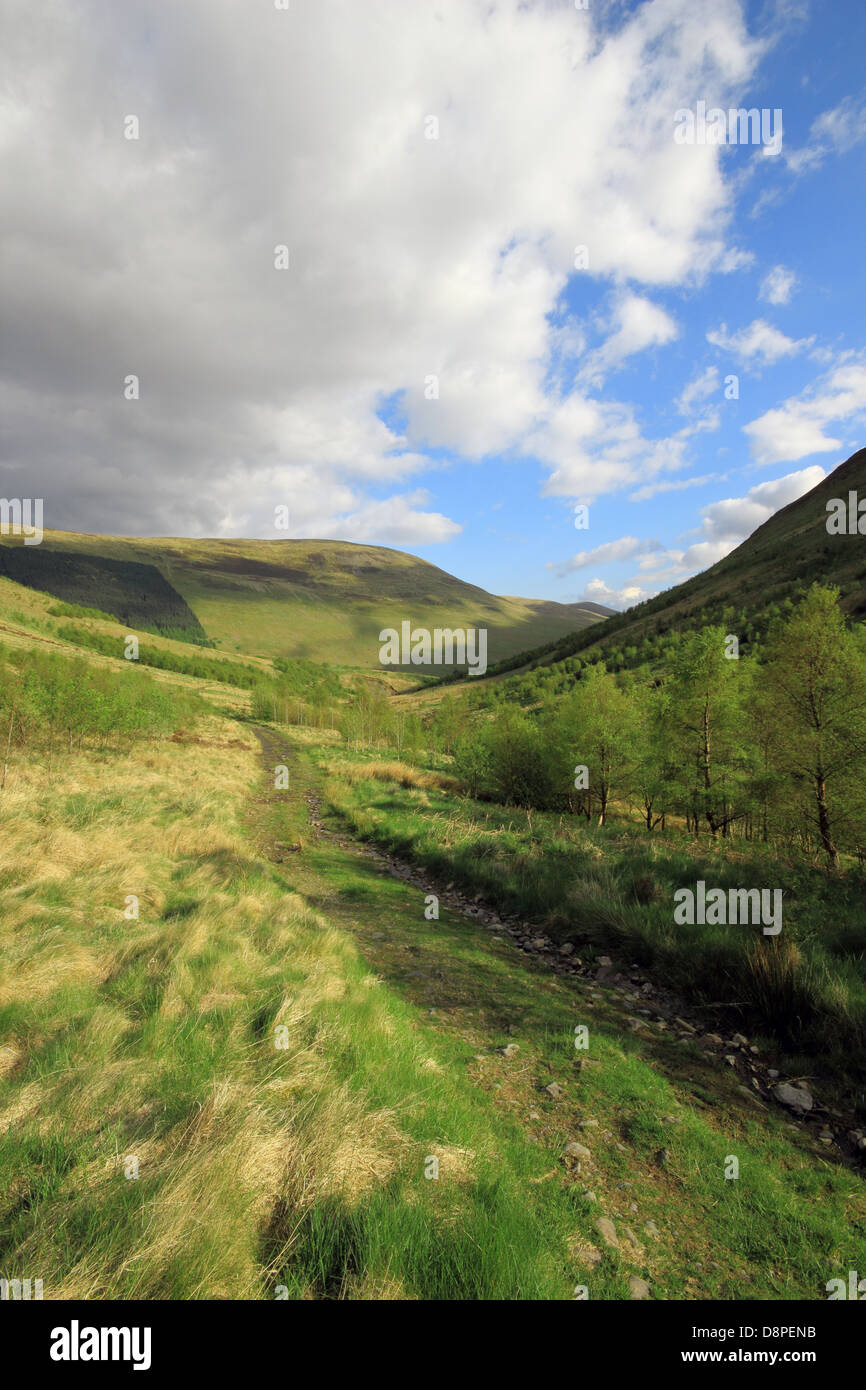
(239, 1092)
(323, 600)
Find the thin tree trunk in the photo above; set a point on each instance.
(827, 843)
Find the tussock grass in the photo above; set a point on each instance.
(153, 1039)
(149, 1046)
(404, 774)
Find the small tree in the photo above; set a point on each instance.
(816, 674)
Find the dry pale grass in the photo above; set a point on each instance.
(403, 773)
(215, 942)
(9, 1058)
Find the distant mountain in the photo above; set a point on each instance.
(324, 600)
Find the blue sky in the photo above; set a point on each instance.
(339, 256)
(808, 223)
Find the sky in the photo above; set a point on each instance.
(433, 274)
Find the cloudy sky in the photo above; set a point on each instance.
(431, 273)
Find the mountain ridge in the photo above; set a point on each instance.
(322, 600)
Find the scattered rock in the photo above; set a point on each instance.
(605, 960)
(575, 1150)
(796, 1098)
(589, 1124)
(730, 1059)
(739, 1041)
(606, 1230)
(566, 949)
(651, 1228)
(663, 1157)
(637, 1287)
(588, 1196)
(511, 1050)
(554, 1090)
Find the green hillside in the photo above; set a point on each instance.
(323, 600)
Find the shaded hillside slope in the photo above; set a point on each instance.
(135, 594)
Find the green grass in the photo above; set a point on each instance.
(612, 888)
(301, 1169)
(770, 1234)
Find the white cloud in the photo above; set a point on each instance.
(598, 447)
(797, 428)
(833, 132)
(644, 494)
(778, 285)
(409, 257)
(760, 343)
(395, 521)
(635, 325)
(735, 518)
(697, 390)
(608, 553)
(597, 591)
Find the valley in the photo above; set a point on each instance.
(321, 981)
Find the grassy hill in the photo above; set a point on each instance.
(323, 600)
(771, 569)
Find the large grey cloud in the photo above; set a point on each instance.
(408, 256)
